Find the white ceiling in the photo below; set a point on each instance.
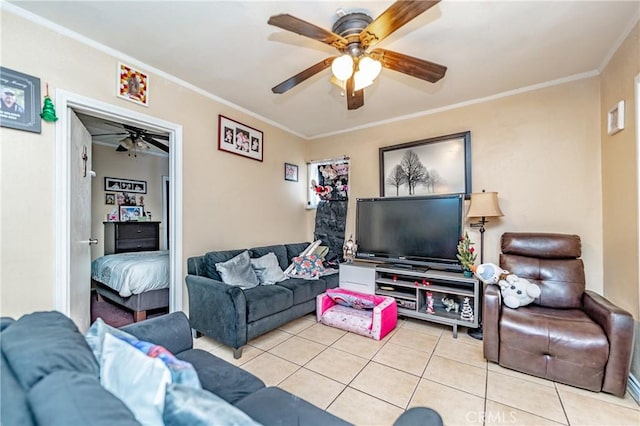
(226, 48)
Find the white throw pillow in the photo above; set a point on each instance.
(238, 272)
(267, 269)
(136, 379)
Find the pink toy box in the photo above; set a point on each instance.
(365, 314)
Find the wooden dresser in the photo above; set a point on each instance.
(121, 237)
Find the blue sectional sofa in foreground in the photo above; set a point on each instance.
(49, 375)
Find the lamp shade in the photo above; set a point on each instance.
(484, 204)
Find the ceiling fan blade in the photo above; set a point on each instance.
(151, 141)
(111, 134)
(409, 65)
(355, 98)
(304, 28)
(121, 148)
(391, 19)
(302, 76)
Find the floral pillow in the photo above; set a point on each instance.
(352, 299)
(309, 267)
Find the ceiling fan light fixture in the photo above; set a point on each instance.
(127, 143)
(369, 67)
(342, 67)
(361, 80)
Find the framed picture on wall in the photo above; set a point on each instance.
(240, 139)
(20, 101)
(290, 172)
(133, 85)
(125, 185)
(440, 165)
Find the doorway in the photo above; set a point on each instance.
(65, 102)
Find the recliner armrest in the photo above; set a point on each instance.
(618, 326)
(491, 309)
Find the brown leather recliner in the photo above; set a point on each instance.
(569, 335)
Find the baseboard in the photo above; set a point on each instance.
(633, 386)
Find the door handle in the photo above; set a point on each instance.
(93, 241)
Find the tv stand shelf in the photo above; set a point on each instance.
(412, 288)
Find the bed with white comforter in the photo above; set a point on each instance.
(133, 273)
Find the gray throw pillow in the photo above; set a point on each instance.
(267, 269)
(238, 272)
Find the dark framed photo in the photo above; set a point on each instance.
(290, 172)
(440, 165)
(20, 103)
(125, 185)
(240, 139)
(131, 213)
(110, 198)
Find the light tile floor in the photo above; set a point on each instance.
(369, 382)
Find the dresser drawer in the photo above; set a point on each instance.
(138, 244)
(137, 231)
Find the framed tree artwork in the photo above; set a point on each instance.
(440, 165)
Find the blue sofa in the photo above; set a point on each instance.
(49, 375)
(234, 316)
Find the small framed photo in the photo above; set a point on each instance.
(125, 185)
(110, 198)
(133, 85)
(290, 172)
(131, 213)
(615, 119)
(239, 139)
(20, 103)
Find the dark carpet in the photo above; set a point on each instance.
(110, 313)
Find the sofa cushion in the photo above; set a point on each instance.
(66, 398)
(43, 342)
(196, 407)
(274, 406)
(268, 269)
(213, 257)
(13, 399)
(331, 280)
(237, 271)
(279, 250)
(352, 299)
(265, 300)
(136, 379)
(294, 250)
(303, 290)
(220, 377)
(308, 266)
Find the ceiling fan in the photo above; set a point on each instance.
(354, 34)
(137, 139)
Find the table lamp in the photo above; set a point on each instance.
(483, 205)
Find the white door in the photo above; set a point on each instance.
(80, 223)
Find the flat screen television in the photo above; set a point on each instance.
(422, 231)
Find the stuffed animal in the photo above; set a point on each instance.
(450, 304)
(515, 291)
(518, 291)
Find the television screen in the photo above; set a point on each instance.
(410, 230)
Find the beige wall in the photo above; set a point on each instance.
(620, 184)
(107, 162)
(229, 201)
(619, 177)
(539, 150)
